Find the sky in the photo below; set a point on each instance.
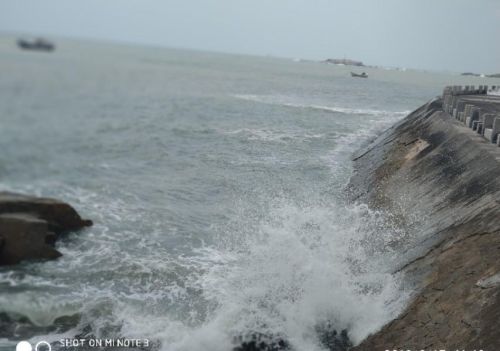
(451, 35)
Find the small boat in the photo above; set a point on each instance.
(37, 44)
(362, 75)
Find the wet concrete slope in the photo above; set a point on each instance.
(440, 181)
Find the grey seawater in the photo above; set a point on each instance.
(215, 185)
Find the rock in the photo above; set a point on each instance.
(331, 340)
(59, 215)
(25, 236)
(327, 335)
(261, 342)
(18, 327)
(29, 227)
(470, 74)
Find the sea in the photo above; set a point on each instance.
(216, 183)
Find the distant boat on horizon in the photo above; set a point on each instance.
(356, 75)
(38, 44)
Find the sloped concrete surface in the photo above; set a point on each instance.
(441, 181)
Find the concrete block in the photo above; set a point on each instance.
(467, 110)
(488, 134)
(488, 119)
(454, 105)
(495, 129)
(460, 106)
(474, 116)
(479, 127)
(474, 125)
(447, 102)
(491, 134)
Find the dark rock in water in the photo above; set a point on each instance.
(18, 327)
(25, 236)
(261, 342)
(470, 74)
(59, 215)
(331, 340)
(29, 226)
(328, 337)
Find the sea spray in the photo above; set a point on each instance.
(300, 268)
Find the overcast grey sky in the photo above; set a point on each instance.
(456, 35)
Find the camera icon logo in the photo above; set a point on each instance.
(40, 346)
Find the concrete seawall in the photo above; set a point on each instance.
(440, 179)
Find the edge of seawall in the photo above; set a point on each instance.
(441, 181)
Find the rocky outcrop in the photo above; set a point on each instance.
(261, 342)
(29, 227)
(18, 327)
(441, 181)
(328, 338)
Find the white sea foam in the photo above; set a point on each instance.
(284, 101)
(299, 267)
(272, 135)
(286, 273)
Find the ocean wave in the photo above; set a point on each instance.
(281, 101)
(300, 265)
(273, 135)
(294, 270)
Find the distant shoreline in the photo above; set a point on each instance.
(110, 41)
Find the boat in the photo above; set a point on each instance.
(37, 44)
(362, 75)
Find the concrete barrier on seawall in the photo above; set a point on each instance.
(486, 121)
(476, 108)
(475, 125)
(491, 133)
(467, 112)
(460, 108)
(474, 116)
(494, 90)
